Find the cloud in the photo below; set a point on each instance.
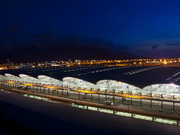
(173, 44)
(155, 46)
(46, 46)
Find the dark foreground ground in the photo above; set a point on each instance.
(21, 115)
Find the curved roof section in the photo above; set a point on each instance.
(163, 89)
(73, 79)
(9, 75)
(27, 76)
(77, 80)
(12, 77)
(49, 80)
(116, 85)
(44, 77)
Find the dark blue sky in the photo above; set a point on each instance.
(149, 28)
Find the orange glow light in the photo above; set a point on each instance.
(132, 96)
(51, 87)
(29, 84)
(85, 91)
(10, 82)
(165, 62)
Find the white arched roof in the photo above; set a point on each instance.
(70, 78)
(11, 77)
(27, 78)
(43, 77)
(166, 89)
(76, 82)
(74, 79)
(48, 80)
(116, 85)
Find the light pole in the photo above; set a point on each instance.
(107, 88)
(151, 97)
(128, 96)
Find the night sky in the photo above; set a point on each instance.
(35, 30)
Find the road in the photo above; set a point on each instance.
(121, 103)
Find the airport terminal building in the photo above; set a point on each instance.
(159, 82)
